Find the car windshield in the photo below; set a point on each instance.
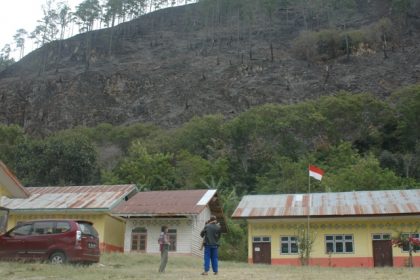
(88, 229)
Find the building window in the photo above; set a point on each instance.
(339, 244)
(172, 239)
(405, 236)
(139, 239)
(381, 236)
(288, 245)
(259, 239)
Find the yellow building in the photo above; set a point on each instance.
(10, 187)
(92, 203)
(349, 229)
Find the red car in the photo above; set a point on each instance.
(58, 241)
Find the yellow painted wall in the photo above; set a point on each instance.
(4, 192)
(251, 234)
(362, 231)
(111, 231)
(114, 231)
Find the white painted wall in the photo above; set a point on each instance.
(188, 232)
(153, 226)
(197, 226)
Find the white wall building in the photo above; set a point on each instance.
(183, 211)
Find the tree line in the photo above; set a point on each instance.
(362, 143)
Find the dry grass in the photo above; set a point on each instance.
(136, 266)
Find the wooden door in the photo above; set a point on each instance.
(261, 252)
(382, 253)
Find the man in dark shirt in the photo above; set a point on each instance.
(211, 235)
(164, 248)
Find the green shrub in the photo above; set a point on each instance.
(331, 43)
(382, 30)
(328, 42)
(304, 46)
(315, 46)
(233, 245)
(356, 37)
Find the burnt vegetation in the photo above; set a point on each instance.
(238, 95)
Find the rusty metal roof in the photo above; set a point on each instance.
(361, 203)
(11, 183)
(161, 203)
(73, 197)
(172, 204)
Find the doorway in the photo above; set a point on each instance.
(261, 250)
(382, 253)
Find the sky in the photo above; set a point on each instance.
(16, 14)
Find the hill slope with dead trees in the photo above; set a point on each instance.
(221, 56)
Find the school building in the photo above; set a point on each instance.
(348, 229)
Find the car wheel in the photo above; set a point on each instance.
(58, 258)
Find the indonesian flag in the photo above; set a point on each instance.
(315, 172)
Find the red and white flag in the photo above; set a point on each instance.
(315, 172)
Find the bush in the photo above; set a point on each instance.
(330, 43)
(315, 46)
(380, 33)
(233, 245)
(304, 46)
(356, 37)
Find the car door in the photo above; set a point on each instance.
(12, 243)
(38, 243)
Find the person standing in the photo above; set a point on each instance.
(164, 248)
(211, 234)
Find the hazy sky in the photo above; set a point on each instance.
(16, 14)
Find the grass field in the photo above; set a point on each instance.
(137, 266)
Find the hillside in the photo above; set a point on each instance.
(176, 63)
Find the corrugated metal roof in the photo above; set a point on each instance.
(172, 204)
(74, 197)
(390, 202)
(161, 203)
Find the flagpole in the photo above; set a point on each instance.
(308, 215)
(317, 173)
